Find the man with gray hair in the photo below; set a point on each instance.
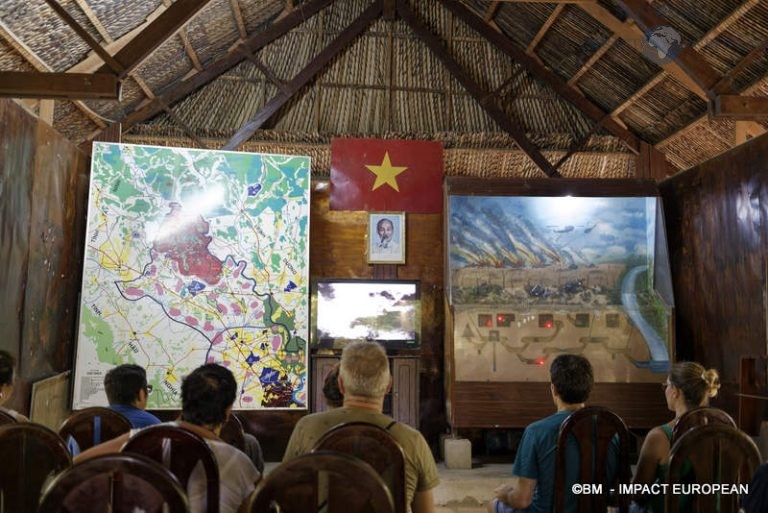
(364, 380)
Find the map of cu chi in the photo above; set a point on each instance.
(191, 257)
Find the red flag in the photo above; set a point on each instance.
(386, 174)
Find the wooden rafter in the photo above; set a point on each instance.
(493, 8)
(254, 42)
(593, 59)
(578, 144)
(156, 33)
(486, 102)
(61, 86)
(541, 72)
(545, 28)
(307, 73)
(238, 15)
(32, 58)
(95, 21)
(267, 72)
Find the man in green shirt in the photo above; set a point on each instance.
(364, 380)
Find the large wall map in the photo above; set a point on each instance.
(196, 256)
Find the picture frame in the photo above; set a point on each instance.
(385, 245)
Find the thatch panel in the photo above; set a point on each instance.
(364, 62)
(165, 65)
(120, 17)
(571, 41)
(416, 66)
(71, 122)
(479, 163)
(339, 15)
(466, 115)
(259, 13)
(662, 110)
(298, 114)
(418, 112)
(437, 18)
(10, 59)
(616, 76)
(696, 145)
(615, 9)
(41, 29)
(518, 21)
(220, 108)
(364, 111)
(289, 54)
(213, 30)
(692, 19)
(484, 63)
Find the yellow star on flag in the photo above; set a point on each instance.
(386, 173)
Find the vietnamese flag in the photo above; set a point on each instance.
(387, 174)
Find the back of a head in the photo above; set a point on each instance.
(206, 393)
(122, 383)
(572, 376)
(697, 383)
(364, 370)
(7, 363)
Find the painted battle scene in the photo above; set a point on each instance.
(533, 277)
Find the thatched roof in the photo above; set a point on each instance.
(388, 83)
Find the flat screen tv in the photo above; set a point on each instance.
(385, 311)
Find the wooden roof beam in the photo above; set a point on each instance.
(62, 86)
(593, 59)
(743, 108)
(342, 41)
(156, 33)
(238, 14)
(492, 10)
(545, 28)
(91, 15)
(542, 73)
(482, 97)
(213, 70)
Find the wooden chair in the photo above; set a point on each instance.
(233, 433)
(322, 481)
(6, 418)
(700, 417)
(31, 454)
(180, 451)
(375, 446)
(586, 436)
(92, 426)
(121, 483)
(714, 453)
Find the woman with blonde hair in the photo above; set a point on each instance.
(688, 386)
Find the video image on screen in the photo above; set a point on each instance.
(384, 311)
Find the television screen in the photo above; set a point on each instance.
(388, 312)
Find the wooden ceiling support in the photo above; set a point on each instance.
(63, 86)
(545, 28)
(485, 100)
(542, 73)
(113, 65)
(212, 71)
(490, 13)
(304, 76)
(743, 108)
(155, 34)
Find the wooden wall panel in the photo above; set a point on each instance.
(716, 215)
(42, 223)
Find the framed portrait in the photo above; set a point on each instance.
(386, 238)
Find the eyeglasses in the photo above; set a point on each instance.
(149, 389)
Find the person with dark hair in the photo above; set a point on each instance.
(7, 379)
(333, 396)
(689, 385)
(571, 379)
(128, 392)
(207, 396)
(756, 501)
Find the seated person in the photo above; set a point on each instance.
(7, 375)
(127, 393)
(364, 380)
(207, 396)
(688, 386)
(571, 382)
(756, 501)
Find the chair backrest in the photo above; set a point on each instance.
(6, 418)
(92, 426)
(233, 433)
(180, 451)
(598, 435)
(31, 454)
(714, 453)
(700, 417)
(322, 481)
(115, 482)
(375, 446)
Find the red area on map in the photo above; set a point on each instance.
(186, 243)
